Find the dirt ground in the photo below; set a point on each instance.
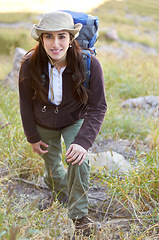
(103, 207)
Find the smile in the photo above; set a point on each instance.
(56, 51)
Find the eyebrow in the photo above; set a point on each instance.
(58, 34)
(62, 33)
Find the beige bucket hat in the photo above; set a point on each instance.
(55, 21)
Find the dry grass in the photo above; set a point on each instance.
(134, 198)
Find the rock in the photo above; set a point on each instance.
(9, 80)
(117, 51)
(16, 25)
(12, 78)
(111, 161)
(97, 195)
(112, 34)
(148, 103)
(135, 45)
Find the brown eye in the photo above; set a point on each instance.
(49, 36)
(61, 37)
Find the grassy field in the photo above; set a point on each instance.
(132, 76)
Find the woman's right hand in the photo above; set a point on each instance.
(37, 147)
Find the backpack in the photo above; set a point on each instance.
(87, 38)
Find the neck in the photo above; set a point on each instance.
(59, 63)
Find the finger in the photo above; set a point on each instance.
(72, 154)
(40, 151)
(82, 159)
(44, 144)
(69, 150)
(72, 158)
(77, 159)
(43, 151)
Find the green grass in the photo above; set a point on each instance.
(24, 221)
(136, 70)
(128, 16)
(18, 156)
(138, 193)
(12, 38)
(13, 17)
(127, 77)
(117, 10)
(6, 63)
(144, 8)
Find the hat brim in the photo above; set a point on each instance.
(36, 31)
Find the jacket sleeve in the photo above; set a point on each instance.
(26, 94)
(97, 107)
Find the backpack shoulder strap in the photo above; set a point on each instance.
(87, 66)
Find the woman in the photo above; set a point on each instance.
(54, 102)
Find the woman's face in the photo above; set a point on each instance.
(56, 44)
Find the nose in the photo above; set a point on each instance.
(55, 42)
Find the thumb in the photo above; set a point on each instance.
(69, 150)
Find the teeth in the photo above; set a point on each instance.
(55, 50)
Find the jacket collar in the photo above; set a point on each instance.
(46, 70)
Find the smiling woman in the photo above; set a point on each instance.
(56, 44)
(47, 5)
(55, 105)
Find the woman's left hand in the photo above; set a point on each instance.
(76, 154)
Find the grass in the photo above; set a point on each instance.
(12, 38)
(127, 77)
(118, 10)
(17, 156)
(5, 68)
(14, 17)
(130, 78)
(24, 221)
(139, 193)
(133, 20)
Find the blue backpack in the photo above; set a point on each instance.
(87, 38)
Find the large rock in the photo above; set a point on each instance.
(112, 34)
(111, 161)
(12, 78)
(148, 103)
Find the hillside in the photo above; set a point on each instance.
(126, 205)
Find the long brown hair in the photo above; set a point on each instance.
(74, 62)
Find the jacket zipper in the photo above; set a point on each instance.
(56, 110)
(44, 109)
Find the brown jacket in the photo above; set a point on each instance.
(34, 112)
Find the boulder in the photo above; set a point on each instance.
(112, 34)
(111, 161)
(108, 49)
(148, 103)
(12, 78)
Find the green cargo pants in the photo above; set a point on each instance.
(73, 181)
